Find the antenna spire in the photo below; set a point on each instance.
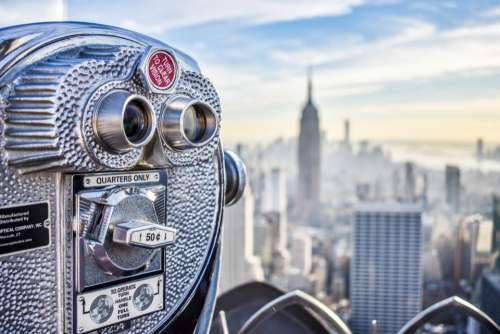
(309, 83)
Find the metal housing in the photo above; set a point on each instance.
(52, 77)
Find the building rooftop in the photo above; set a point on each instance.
(389, 207)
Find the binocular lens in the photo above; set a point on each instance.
(194, 124)
(124, 121)
(135, 121)
(187, 123)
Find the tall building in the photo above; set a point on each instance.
(410, 181)
(274, 210)
(298, 273)
(424, 193)
(239, 264)
(452, 185)
(487, 291)
(319, 275)
(275, 203)
(346, 143)
(479, 149)
(473, 248)
(257, 176)
(486, 297)
(301, 251)
(495, 239)
(396, 184)
(309, 156)
(387, 266)
(347, 132)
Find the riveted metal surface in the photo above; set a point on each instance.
(29, 281)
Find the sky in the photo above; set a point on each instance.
(421, 70)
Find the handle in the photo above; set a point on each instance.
(143, 234)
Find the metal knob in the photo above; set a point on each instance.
(236, 177)
(112, 225)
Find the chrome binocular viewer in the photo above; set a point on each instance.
(112, 183)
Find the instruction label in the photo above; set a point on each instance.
(24, 227)
(120, 179)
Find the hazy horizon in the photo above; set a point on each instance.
(337, 137)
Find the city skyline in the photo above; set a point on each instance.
(397, 69)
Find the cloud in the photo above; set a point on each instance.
(418, 52)
(355, 49)
(493, 12)
(18, 12)
(157, 16)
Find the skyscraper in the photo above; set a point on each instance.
(346, 143)
(309, 155)
(347, 132)
(239, 264)
(486, 297)
(495, 239)
(473, 247)
(452, 184)
(387, 266)
(410, 179)
(479, 149)
(274, 209)
(301, 251)
(275, 203)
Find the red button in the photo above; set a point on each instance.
(161, 69)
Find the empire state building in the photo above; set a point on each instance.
(309, 156)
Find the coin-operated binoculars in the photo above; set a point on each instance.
(112, 183)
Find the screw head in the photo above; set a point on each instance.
(158, 69)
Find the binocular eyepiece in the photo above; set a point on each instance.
(124, 121)
(187, 123)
